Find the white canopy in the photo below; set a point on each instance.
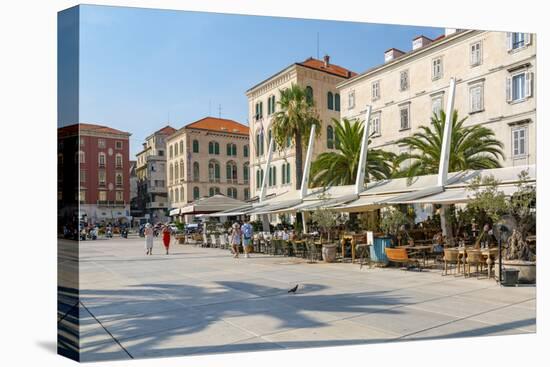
(174, 212)
(211, 204)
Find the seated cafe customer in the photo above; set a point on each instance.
(438, 242)
(486, 239)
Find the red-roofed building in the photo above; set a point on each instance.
(319, 78)
(101, 154)
(152, 194)
(207, 157)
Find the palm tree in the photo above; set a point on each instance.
(340, 167)
(295, 117)
(472, 147)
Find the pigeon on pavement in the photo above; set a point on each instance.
(293, 290)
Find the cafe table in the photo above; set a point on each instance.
(423, 249)
(354, 239)
(488, 253)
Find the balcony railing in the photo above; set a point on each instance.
(111, 203)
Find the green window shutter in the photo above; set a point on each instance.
(337, 102)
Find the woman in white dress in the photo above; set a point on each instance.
(149, 235)
(235, 239)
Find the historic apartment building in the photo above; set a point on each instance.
(320, 78)
(495, 87)
(152, 191)
(208, 157)
(102, 158)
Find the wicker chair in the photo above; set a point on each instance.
(224, 243)
(474, 257)
(450, 256)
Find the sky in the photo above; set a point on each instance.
(141, 69)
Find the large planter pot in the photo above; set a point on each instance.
(527, 269)
(329, 253)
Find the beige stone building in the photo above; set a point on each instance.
(495, 74)
(320, 77)
(207, 157)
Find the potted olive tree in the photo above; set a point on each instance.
(515, 217)
(325, 220)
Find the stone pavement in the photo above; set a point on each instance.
(201, 300)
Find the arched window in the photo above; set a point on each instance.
(232, 192)
(171, 195)
(182, 169)
(337, 102)
(213, 171)
(195, 146)
(196, 171)
(171, 151)
(246, 172)
(176, 152)
(177, 171)
(309, 95)
(213, 191)
(181, 146)
(171, 173)
(245, 151)
(118, 179)
(102, 160)
(246, 193)
(177, 195)
(330, 137)
(231, 171)
(196, 193)
(330, 101)
(118, 160)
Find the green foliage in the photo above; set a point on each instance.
(180, 226)
(391, 219)
(340, 167)
(486, 200)
(324, 218)
(472, 147)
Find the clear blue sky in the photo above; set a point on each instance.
(141, 67)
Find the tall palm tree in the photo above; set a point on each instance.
(295, 117)
(340, 167)
(472, 147)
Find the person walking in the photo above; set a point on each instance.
(166, 237)
(247, 231)
(149, 236)
(235, 239)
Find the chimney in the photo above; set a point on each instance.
(420, 41)
(449, 31)
(326, 58)
(392, 54)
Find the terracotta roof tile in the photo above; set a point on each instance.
(219, 124)
(331, 68)
(93, 128)
(167, 130)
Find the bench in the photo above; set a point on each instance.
(400, 255)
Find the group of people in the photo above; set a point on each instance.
(241, 233)
(149, 233)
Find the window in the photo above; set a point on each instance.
(330, 137)
(437, 68)
(118, 179)
(181, 146)
(171, 154)
(246, 193)
(196, 171)
(475, 54)
(476, 98)
(375, 90)
(195, 146)
(246, 172)
(118, 144)
(285, 173)
(82, 196)
(259, 110)
(437, 105)
(171, 173)
(101, 143)
(269, 136)
(182, 169)
(404, 80)
(260, 143)
(337, 102)
(102, 195)
(161, 153)
(101, 160)
(82, 143)
(232, 149)
(118, 160)
(176, 150)
(519, 142)
(101, 177)
(119, 195)
(214, 171)
(330, 101)
(519, 86)
(232, 192)
(259, 177)
(375, 125)
(288, 173)
(176, 171)
(231, 172)
(271, 105)
(351, 99)
(309, 95)
(213, 191)
(245, 151)
(404, 115)
(272, 176)
(196, 193)
(82, 175)
(517, 41)
(213, 147)
(81, 157)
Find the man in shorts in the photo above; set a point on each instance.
(247, 232)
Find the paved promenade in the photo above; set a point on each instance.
(201, 300)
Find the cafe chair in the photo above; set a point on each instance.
(450, 257)
(474, 257)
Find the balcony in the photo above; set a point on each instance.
(111, 203)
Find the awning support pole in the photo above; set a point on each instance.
(447, 133)
(266, 172)
(309, 154)
(360, 179)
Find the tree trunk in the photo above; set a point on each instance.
(446, 226)
(298, 157)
